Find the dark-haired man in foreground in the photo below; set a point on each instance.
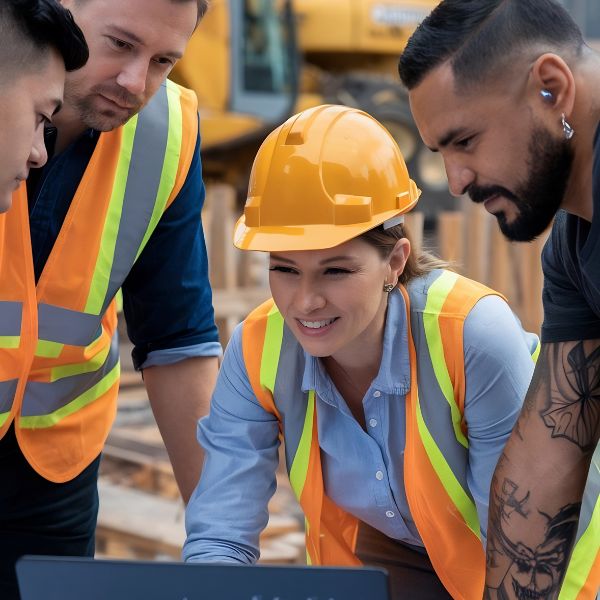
(509, 94)
(38, 41)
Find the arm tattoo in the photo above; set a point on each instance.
(573, 407)
(530, 572)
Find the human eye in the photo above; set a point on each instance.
(465, 142)
(118, 44)
(164, 61)
(282, 269)
(338, 271)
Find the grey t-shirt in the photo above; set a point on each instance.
(571, 265)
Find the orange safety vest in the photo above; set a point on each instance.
(59, 357)
(436, 453)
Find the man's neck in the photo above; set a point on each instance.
(69, 128)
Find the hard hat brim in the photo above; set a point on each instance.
(303, 237)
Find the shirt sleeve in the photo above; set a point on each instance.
(498, 370)
(567, 314)
(167, 299)
(229, 508)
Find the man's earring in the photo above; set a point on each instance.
(388, 287)
(547, 95)
(567, 129)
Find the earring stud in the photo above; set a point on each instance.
(547, 95)
(388, 287)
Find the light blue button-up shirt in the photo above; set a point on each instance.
(363, 471)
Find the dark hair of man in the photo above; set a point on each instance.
(203, 6)
(29, 28)
(482, 38)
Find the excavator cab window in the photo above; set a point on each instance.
(262, 40)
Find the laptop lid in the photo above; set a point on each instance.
(59, 578)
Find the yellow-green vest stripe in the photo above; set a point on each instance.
(436, 296)
(43, 421)
(10, 341)
(299, 468)
(272, 346)
(455, 490)
(46, 349)
(3, 417)
(89, 366)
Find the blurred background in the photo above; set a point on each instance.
(252, 64)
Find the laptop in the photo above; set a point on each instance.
(60, 578)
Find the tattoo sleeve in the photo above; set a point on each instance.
(536, 491)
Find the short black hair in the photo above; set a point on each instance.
(482, 36)
(28, 28)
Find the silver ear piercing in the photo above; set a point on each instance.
(567, 129)
(547, 95)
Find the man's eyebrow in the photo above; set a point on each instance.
(131, 37)
(448, 138)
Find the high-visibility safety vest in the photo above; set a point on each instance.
(436, 454)
(59, 358)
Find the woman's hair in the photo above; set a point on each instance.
(418, 263)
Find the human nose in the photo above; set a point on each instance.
(308, 297)
(38, 155)
(133, 77)
(460, 177)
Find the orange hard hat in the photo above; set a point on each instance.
(325, 176)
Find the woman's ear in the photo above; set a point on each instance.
(397, 258)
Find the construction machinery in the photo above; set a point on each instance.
(253, 63)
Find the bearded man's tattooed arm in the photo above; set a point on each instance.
(538, 484)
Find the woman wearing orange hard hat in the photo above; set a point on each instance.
(393, 381)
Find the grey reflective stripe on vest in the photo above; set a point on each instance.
(143, 182)
(45, 398)
(7, 394)
(290, 400)
(65, 326)
(434, 406)
(11, 314)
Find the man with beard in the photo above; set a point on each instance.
(509, 94)
(116, 207)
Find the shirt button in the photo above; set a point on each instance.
(390, 513)
(377, 393)
(379, 475)
(373, 422)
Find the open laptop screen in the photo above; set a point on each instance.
(59, 578)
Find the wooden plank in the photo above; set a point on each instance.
(450, 238)
(147, 524)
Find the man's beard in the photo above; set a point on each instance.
(540, 196)
(103, 119)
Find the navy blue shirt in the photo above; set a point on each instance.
(167, 298)
(571, 265)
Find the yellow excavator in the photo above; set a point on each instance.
(253, 63)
